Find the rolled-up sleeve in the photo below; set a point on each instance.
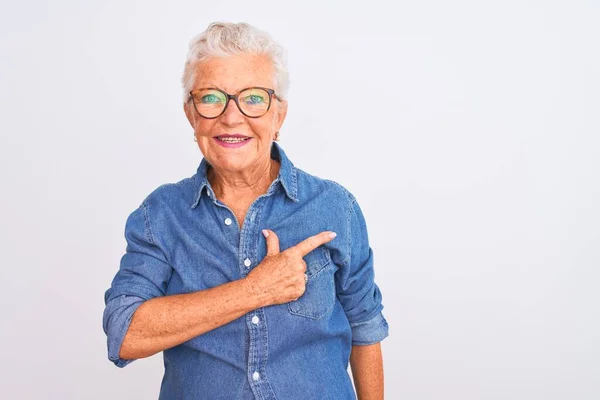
(355, 283)
(143, 274)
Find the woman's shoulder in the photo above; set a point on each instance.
(172, 193)
(311, 185)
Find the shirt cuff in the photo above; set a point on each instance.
(369, 332)
(119, 324)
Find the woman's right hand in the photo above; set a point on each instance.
(280, 277)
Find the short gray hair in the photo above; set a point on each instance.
(222, 39)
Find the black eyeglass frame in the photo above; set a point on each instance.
(233, 97)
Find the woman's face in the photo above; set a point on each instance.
(232, 74)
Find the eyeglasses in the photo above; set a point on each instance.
(253, 102)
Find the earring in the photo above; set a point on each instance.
(277, 136)
(195, 140)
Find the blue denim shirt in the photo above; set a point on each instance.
(182, 239)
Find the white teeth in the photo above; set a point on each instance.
(232, 140)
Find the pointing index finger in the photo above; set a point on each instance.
(312, 242)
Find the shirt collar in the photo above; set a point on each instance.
(287, 176)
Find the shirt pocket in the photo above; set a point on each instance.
(319, 296)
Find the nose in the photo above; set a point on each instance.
(232, 115)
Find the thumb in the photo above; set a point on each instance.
(272, 242)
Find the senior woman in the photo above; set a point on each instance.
(254, 278)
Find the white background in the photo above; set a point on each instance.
(467, 130)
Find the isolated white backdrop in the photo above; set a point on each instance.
(467, 130)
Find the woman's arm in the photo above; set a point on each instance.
(366, 363)
(164, 322)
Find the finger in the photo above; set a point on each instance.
(272, 242)
(312, 242)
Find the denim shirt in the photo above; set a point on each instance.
(182, 239)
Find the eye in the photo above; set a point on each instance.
(254, 99)
(210, 99)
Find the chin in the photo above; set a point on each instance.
(232, 162)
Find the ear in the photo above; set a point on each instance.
(189, 113)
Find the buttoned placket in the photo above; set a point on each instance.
(255, 320)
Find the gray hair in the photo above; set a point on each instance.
(222, 39)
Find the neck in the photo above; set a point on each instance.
(249, 183)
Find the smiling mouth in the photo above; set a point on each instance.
(229, 139)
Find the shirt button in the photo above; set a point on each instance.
(247, 262)
(256, 375)
(255, 320)
(228, 221)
